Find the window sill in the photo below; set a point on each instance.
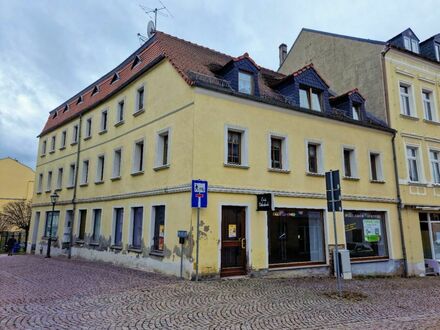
(47, 191)
(245, 167)
(138, 112)
(84, 184)
(408, 117)
(119, 123)
(99, 182)
(161, 167)
(102, 132)
(42, 156)
(368, 259)
(315, 174)
(278, 170)
(137, 173)
(134, 249)
(52, 152)
(80, 242)
(377, 181)
(87, 138)
(116, 247)
(73, 143)
(431, 122)
(421, 184)
(94, 244)
(116, 178)
(157, 253)
(62, 148)
(69, 187)
(58, 189)
(53, 239)
(351, 178)
(38, 192)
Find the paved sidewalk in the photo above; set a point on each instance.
(60, 293)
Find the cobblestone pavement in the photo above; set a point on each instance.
(60, 293)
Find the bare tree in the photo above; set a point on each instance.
(17, 214)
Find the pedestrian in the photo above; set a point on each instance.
(11, 244)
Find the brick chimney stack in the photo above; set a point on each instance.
(283, 53)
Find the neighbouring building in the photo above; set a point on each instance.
(122, 153)
(401, 78)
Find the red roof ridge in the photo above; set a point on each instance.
(246, 56)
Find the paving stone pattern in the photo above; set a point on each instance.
(74, 294)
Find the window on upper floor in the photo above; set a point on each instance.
(140, 94)
(71, 175)
(310, 98)
(88, 132)
(406, 99)
(100, 169)
(234, 147)
(75, 134)
(434, 156)
(138, 157)
(428, 105)
(60, 178)
(117, 160)
(162, 148)
(413, 158)
(43, 148)
(85, 172)
(437, 51)
(49, 181)
(53, 143)
(314, 158)
(40, 183)
(104, 121)
(375, 167)
(120, 112)
(63, 139)
(278, 152)
(350, 166)
(411, 44)
(245, 83)
(356, 111)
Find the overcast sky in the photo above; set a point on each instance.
(51, 49)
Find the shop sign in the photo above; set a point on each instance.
(372, 230)
(264, 202)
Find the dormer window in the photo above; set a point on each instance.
(136, 61)
(245, 83)
(310, 98)
(55, 114)
(66, 108)
(80, 100)
(411, 44)
(356, 111)
(115, 78)
(95, 90)
(437, 51)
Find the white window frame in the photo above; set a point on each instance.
(379, 166)
(63, 139)
(159, 148)
(104, 121)
(116, 165)
(353, 162)
(419, 163)
(135, 159)
(100, 168)
(244, 148)
(412, 108)
(40, 183)
(407, 43)
(437, 51)
(319, 153)
(241, 75)
(137, 109)
(284, 151)
(432, 102)
(60, 178)
(85, 175)
(49, 181)
(72, 174)
(434, 149)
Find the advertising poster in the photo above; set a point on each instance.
(372, 230)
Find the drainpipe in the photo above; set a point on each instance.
(78, 150)
(396, 169)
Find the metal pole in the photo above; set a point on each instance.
(49, 242)
(198, 242)
(336, 236)
(181, 261)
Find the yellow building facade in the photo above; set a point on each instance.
(122, 153)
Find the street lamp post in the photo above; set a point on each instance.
(53, 199)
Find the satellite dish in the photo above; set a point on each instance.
(150, 29)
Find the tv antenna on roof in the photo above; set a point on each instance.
(151, 28)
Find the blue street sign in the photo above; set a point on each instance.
(199, 194)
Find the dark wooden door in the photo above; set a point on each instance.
(233, 251)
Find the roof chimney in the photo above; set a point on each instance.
(282, 53)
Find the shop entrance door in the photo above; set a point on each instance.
(233, 238)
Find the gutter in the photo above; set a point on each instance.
(75, 187)
(396, 169)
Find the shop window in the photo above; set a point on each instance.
(310, 98)
(296, 236)
(118, 225)
(430, 231)
(136, 227)
(82, 224)
(365, 234)
(159, 228)
(52, 232)
(96, 224)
